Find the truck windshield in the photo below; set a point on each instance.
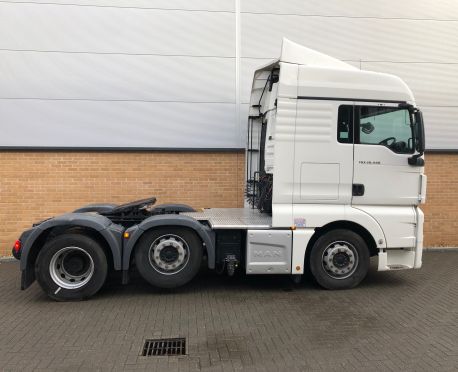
(386, 126)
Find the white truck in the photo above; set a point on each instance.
(335, 175)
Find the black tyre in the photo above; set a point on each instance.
(168, 257)
(71, 267)
(339, 259)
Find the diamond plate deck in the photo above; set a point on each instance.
(233, 218)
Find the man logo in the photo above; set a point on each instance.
(265, 254)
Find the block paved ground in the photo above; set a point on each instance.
(405, 320)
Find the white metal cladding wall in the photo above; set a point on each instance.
(157, 73)
(111, 73)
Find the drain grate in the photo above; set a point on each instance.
(164, 346)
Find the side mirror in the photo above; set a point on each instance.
(419, 129)
(420, 132)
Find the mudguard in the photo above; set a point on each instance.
(98, 208)
(135, 232)
(110, 232)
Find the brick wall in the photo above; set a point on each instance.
(36, 185)
(441, 208)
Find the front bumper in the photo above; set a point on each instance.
(404, 258)
(396, 259)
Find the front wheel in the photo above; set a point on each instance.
(168, 257)
(339, 259)
(71, 267)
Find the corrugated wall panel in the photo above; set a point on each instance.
(124, 124)
(441, 127)
(352, 38)
(116, 30)
(211, 5)
(88, 76)
(117, 77)
(445, 9)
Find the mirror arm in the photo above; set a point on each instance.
(416, 160)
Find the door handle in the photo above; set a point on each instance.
(358, 189)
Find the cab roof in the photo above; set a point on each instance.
(323, 76)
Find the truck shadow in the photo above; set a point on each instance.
(209, 281)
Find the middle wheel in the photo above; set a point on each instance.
(168, 257)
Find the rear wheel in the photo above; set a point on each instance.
(71, 267)
(339, 259)
(168, 257)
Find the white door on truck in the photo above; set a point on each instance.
(383, 142)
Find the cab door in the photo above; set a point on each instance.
(383, 143)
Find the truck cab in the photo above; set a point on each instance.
(334, 176)
(342, 147)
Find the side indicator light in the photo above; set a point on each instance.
(126, 235)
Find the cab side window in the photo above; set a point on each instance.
(385, 126)
(345, 124)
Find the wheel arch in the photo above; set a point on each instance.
(206, 235)
(108, 235)
(342, 224)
